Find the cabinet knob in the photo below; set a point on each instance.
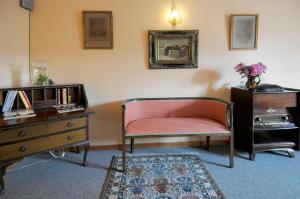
(257, 119)
(69, 124)
(22, 149)
(284, 118)
(21, 133)
(70, 137)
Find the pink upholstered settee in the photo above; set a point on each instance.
(167, 117)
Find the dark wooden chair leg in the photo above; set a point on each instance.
(77, 149)
(86, 150)
(207, 144)
(291, 153)
(252, 156)
(231, 158)
(131, 145)
(2, 185)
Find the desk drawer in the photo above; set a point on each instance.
(65, 125)
(42, 144)
(272, 100)
(68, 138)
(22, 133)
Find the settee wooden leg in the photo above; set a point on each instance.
(207, 144)
(123, 153)
(131, 145)
(231, 158)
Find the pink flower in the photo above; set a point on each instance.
(240, 67)
(254, 70)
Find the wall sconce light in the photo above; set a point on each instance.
(174, 16)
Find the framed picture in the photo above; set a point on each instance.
(173, 49)
(243, 32)
(98, 29)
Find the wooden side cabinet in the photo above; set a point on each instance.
(266, 121)
(48, 130)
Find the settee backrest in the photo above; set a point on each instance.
(178, 108)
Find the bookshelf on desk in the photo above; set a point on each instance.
(46, 131)
(277, 133)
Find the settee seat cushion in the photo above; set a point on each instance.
(174, 126)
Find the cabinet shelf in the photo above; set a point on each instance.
(259, 130)
(266, 142)
(45, 97)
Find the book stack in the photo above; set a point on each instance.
(62, 96)
(10, 98)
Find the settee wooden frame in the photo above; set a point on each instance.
(228, 116)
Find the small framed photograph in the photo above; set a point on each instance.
(98, 29)
(244, 30)
(173, 49)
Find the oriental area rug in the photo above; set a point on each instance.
(162, 176)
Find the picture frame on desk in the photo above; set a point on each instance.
(98, 29)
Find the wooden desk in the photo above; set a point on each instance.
(48, 130)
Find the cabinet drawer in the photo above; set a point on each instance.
(272, 100)
(42, 144)
(65, 125)
(22, 133)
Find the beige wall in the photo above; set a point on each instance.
(14, 44)
(114, 75)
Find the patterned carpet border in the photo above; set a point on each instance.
(115, 167)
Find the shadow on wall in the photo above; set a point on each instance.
(15, 75)
(209, 78)
(105, 125)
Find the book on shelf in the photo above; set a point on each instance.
(64, 96)
(58, 97)
(9, 100)
(22, 96)
(27, 99)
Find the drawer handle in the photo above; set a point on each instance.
(70, 137)
(270, 110)
(22, 149)
(69, 124)
(21, 133)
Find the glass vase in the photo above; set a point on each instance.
(252, 82)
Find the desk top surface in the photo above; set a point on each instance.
(286, 90)
(44, 116)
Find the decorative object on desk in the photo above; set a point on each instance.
(39, 72)
(252, 72)
(42, 80)
(269, 88)
(98, 29)
(65, 108)
(173, 49)
(160, 176)
(51, 82)
(244, 30)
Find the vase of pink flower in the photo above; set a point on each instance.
(252, 72)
